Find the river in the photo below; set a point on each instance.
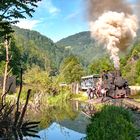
(64, 121)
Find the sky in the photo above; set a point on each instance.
(58, 19)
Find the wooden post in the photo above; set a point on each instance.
(24, 109)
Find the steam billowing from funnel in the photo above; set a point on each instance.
(115, 30)
(97, 7)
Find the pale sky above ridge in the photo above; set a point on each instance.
(57, 19)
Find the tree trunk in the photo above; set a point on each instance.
(6, 45)
(24, 109)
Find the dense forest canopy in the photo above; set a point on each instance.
(30, 48)
(39, 50)
(83, 46)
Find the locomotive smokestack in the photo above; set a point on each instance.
(113, 25)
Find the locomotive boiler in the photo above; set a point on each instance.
(115, 85)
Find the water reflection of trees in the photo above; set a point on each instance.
(89, 110)
(86, 108)
(12, 123)
(12, 128)
(67, 110)
(54, 113)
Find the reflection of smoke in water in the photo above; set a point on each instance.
(116, 31)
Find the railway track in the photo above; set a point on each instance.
(126, 102)
(131, 103)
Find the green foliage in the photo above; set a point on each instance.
(138, 72)
(112, 123)
(60, 98)
(14, 54)
(31, 55)
(2, 64)
(79, 97)
(82, 45)
(12, 10)
(39, 80)
(53, 113)
(130, 65)
(29, 48)
(15, 62)
(71, 70)
(10, 13)
(97, 66)
(37, 49)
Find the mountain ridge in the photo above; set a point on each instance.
(82, 45)
(39, 46)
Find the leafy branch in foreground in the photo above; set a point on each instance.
(13, 10)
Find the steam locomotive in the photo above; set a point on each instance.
(115, 85)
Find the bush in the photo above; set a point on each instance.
(112, 123)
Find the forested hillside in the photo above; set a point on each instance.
(82, 45)
(38, 49)
(30, 48)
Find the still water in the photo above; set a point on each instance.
(66, 121)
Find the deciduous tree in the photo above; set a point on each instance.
(97, 66)
(13, 10)
(71, 70)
